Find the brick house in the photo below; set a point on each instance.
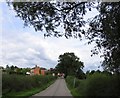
(43, 72)
(37, 71)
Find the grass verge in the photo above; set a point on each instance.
(70, 85)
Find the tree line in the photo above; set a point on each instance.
(15, 70)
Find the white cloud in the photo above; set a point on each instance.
(25, 48)
(29, 49)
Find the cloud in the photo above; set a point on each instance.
(25, 48)
(30, 49)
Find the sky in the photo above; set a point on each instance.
(24, 47)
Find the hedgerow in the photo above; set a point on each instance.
(98, 84)
(16, 83)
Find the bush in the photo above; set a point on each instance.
(102, 85)
(18, 83)
(98, 84)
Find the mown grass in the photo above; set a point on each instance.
(24, 86)
(96, 85)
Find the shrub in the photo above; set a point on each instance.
(20, 82)
(100, 84)
(97, 84)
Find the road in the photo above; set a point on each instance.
(58, 88)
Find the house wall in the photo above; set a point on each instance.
(42, 72)
(37, 71)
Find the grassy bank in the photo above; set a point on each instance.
(95, 85)
(72, 84)
(18, 85)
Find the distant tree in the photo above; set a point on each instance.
(7, 66)
(7, 69)
(87, 72)
(11, 70)
(92, 72)
(12, 67)
(80, 74)
(51, 71)
(16, 70)
(69, 64)
(97, 71)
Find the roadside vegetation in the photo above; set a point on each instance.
(96, 84)
(22, 85)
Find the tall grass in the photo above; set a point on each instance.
(98, 84)
(17, 83)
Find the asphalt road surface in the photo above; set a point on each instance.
(58, 88)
